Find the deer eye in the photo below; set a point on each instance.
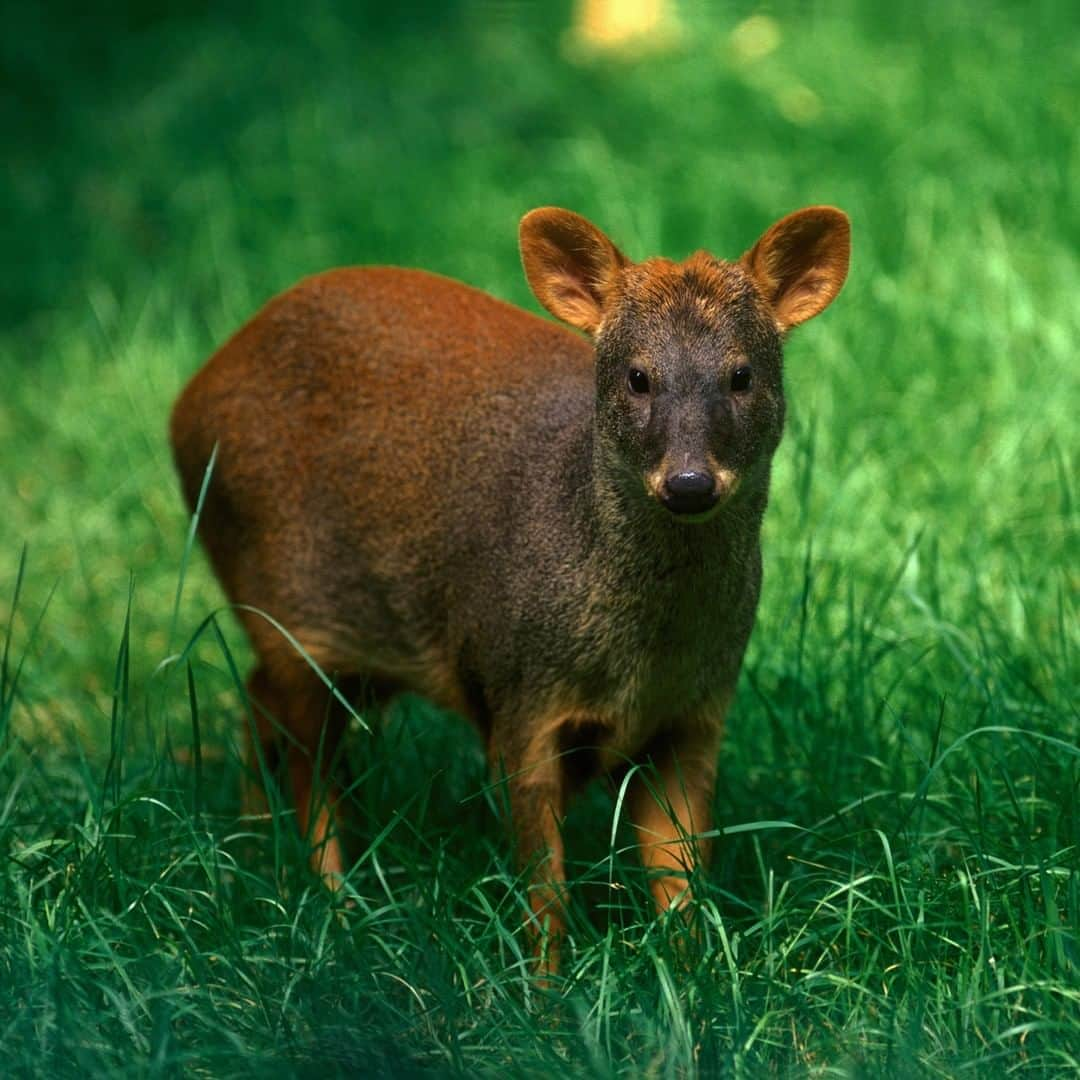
(638, 381)
(741, 379)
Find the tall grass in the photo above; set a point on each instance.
(896, 886)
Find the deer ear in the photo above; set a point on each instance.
(800, 263)
(570, 265)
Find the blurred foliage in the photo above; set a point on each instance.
(136, 135)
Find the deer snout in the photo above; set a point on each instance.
(690, 491)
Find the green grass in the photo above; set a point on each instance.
(897, 888)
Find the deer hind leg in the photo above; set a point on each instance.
(299, 720)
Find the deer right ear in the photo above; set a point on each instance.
(801, 263)
(570, 265)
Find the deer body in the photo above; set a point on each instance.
(435, 491)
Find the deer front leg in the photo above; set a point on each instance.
(670, 808)
(537, 787)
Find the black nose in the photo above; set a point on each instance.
(690, 492)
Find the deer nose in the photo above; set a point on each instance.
(690, 492)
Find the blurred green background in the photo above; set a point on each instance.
(168, 168)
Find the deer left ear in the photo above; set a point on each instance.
(800, 263)
(570, 265)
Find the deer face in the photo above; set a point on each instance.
(690, 402)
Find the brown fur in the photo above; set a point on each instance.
(435, 491)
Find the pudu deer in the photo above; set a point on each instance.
(555, 536)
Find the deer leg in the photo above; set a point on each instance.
(310, 723)
(669, 814)
(537, 787)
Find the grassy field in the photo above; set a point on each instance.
(897, 889)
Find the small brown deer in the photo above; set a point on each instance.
(558, 539)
